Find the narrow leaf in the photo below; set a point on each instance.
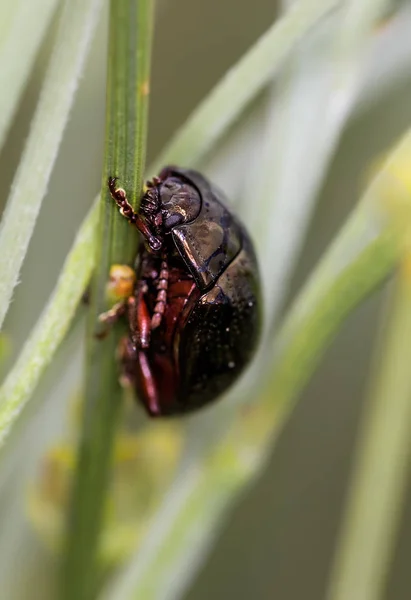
(76, 27)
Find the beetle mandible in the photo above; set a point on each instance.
(194, 312)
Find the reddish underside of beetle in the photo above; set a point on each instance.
(156, 375)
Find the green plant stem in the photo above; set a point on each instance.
(378, 484)
(127, 107)
(204, 491)
(333, 52)
(77, 23)
(241, 84)
(50, 328)
(362, 227)
(298, 354)
(21, 35)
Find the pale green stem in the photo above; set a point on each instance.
(363, 226)
(30, 183)
(51, 327)
(319, 84)
(379, 481)
(128, 83)
(241, 84)
(204, 491)
(22, 30)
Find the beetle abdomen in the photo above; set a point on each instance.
(221, 333)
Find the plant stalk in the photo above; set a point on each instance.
(126, 131)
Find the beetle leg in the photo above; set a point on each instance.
(147, 382)
(147, 265)
(161, 299)
(120, 198)
(130, 352)
(139, 318)
(110, 317)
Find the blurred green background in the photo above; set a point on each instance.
(278, 542)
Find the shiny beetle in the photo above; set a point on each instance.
(194, 314)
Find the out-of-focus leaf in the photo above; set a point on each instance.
(23, 26)
(30, 183)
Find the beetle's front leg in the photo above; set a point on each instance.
(120, 197)
(132, 352)
(135, 366)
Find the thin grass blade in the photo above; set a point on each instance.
(379, 481)
(29, 187)
(232, 94)
(23, 26)
(51, 327)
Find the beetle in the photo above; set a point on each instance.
(194, 310)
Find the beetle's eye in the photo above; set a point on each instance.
(171, 221)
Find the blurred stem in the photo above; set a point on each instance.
(241, 84)
(23, 26)
(76, 27)
(298, 354)
(191, 512)
(127, 112)
(50, 328)
(387, 197)
(379, 480)
(320, 80)
(372, 238)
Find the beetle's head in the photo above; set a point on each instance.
(169, 201)
(180, 202)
